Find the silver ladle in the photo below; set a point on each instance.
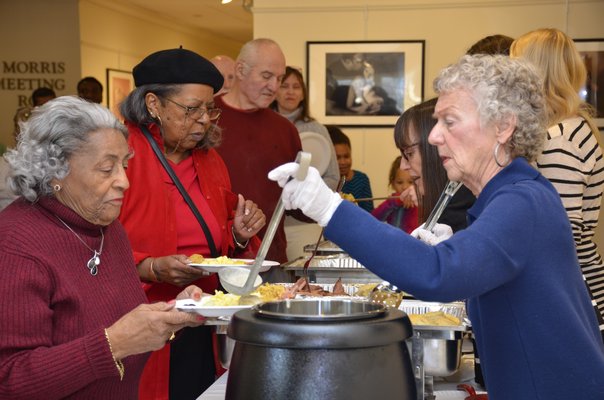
(232, 278)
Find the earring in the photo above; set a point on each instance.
(56, 187)
(495, 153)
(159, 119)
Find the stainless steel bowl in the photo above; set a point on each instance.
(320, 309)
(441, 357)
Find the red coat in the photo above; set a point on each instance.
(150, 221)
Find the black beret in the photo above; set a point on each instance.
(177, 66)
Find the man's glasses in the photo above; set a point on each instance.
(198, 112)
(408, 151)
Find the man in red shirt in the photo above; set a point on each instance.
(255, 138)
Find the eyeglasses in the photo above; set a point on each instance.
(408, 151)
(198, 112)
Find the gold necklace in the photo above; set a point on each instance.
(95, 260)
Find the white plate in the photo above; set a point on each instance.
(320, 148)
(266, 265)
(198, 307)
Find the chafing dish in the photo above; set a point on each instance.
(435, 350)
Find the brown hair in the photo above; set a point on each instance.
(434, 175)
(304, 115)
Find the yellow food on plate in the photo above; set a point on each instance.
(434, 318)
(270, 292)
(221, 299)
(222, 260)
(196, 258)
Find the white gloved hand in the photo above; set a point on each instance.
(311, 195)
(439, 233)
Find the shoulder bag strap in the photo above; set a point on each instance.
(182, 190)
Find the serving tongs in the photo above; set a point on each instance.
(230, 278)
(444, 199)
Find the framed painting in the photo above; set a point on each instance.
(367, 83)
(592, 52)
(119, 85)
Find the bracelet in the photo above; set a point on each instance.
(154, 277)
(240, 245)
(118, 363)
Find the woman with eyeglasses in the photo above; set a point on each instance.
(170, 118)
(422, 161)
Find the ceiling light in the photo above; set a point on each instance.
(226, 1)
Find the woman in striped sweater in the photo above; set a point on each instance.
(572, 156)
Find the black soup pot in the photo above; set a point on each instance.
(320, 349)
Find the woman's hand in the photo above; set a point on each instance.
(176, 270)
(249, 219)
(147, 328)
(190, 292)
(439, 233)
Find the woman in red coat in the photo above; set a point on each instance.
(172, 108)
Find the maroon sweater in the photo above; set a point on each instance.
(53, 311)
(253, 143)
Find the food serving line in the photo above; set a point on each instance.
(435, 351)
(331, 347)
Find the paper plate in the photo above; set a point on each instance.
(320, 148)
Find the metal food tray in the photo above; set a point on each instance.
(326, 262)
(330, 268)
(349, 288)
(325, 247)
(450, 332)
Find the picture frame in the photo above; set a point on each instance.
(364, 83)
(119, 84)
(592, 52)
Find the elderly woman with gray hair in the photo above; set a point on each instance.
(73, 320)
(515, 264)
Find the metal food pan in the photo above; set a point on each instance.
(436, 350)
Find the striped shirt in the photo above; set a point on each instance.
(572, 161)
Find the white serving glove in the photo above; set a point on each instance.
(440, 232)
(312, 196)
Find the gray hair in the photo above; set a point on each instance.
(53, 133)
(502, 87)
(134, 109)
(249, 53)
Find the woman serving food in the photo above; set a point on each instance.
(515, 264)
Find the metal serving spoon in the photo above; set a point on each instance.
(232, 279)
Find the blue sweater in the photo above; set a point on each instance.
(516, 265)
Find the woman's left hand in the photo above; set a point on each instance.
(190, 292)
(249, 219)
